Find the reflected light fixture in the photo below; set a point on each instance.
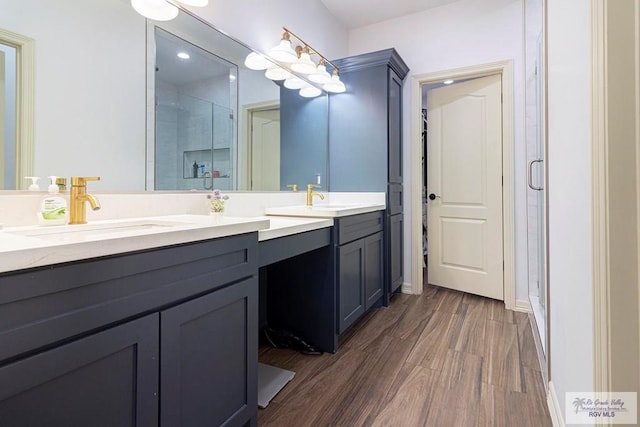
(447, 82)
(294, 82)
(283, 52)
(255, 61)
(275, 72)
(183, 55)
(335, 85)
(158, 10)
(197, 3)
(163, 10)
(310, 91)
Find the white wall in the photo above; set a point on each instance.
(259, 23)
(460, 34)
(570, 186)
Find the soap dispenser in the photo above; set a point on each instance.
(34, 183)
(53, 208)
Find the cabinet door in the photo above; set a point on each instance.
(106, 379)
(395, 128)
(374, 269)
(209, 350)
(351, 277)
(395, 257)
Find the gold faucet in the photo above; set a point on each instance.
(293, 187)
(78, 196)
(311, 193)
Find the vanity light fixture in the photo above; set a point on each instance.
(255, 61)
(335, 85)
(163, 10)
(274, 72)
(283, 52)
(310, 91)
(294, 82)
(300, 61)
(304, 64)
(320, 75)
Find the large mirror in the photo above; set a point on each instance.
(113, 99)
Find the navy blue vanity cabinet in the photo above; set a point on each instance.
(165, 337)
(359, 265)
(109, 378)
(365, 150)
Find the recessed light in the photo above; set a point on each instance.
(447, 82)
(183, 55)
(232, 77)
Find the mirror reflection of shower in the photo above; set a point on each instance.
(196, 98)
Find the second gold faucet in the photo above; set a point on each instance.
(311, 193)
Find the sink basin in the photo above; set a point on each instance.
(325, 211)
(83, 231)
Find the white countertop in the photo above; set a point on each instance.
(281, 226)
(325, 210)
(35, 246)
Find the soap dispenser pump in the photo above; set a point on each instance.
(53, 208)
(34, 183)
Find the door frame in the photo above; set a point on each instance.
(244, 147)
(505, 69)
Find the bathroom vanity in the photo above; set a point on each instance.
(140, 322)
(142, 338)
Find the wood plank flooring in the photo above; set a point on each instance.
(443, 358)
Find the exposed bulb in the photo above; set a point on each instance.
(158, 10)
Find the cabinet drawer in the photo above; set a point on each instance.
(43, 306)
(354, 227)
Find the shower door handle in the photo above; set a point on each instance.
(530, 175)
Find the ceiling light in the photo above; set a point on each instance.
(447, 82)
(294, 82)
(304, 64)
(255, 61)
(310, 91)
(320, 75)
(232, 77)
(158, 10)
(198, 3)
(283, 52)
(276, 73)
(335, 85)
(183, 55)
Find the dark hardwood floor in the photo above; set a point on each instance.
(443, 358)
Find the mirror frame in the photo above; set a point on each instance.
(25, 104)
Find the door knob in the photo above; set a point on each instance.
(433, 196)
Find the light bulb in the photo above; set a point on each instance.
(197, 3)
(335, 85)
(294, 82)
(310, 91)
(320, 75)
(304, 65)
(255, 61)
(276, 73)
(158, 10)
(283, 52)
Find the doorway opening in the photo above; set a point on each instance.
(505, 70)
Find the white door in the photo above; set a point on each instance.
(464, 186)
(265, 150)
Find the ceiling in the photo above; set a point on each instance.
(358, 13)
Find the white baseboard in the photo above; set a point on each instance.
(523, 305)
(407, 288)
(554, 407)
